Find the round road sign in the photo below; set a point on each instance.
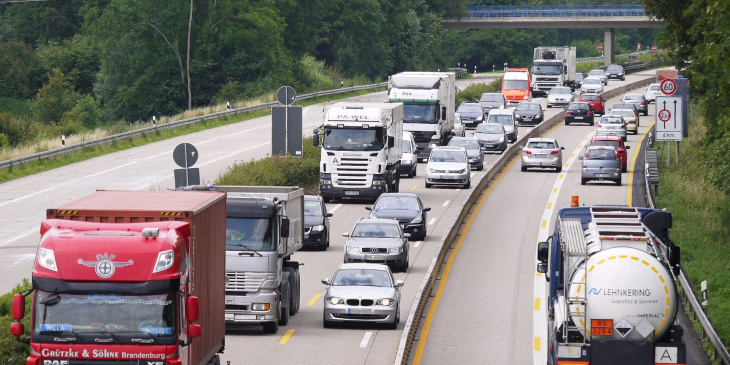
(600, 47)
(668, 87)
(286, 95)
(185, 155)
(664, 115)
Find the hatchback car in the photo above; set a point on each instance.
(579, 77)
(615, 72)
(652, 92)
(379, 241)
(592, 85)
(491, 101)
(601, 74)
(362, 293)
(507, 118)
(631, 119)
(611, 125)
(579, 113)
(471, 114)
(600, 163)
(615, 142)
(406, 208)
(492, 137)
(637, 99)
(448, 165)
(529, 112)
(316, 223)
(409, 155)
(598, 104)
(542, 152)
(560, 96)
(459, 130)
(473, 150)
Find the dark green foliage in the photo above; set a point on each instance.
(475, 91)
(20, 70)
(15, 130)
(11, 350)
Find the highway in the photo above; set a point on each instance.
(486, 310)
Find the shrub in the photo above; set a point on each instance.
(13, 351)
(475, 91)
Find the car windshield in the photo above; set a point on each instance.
(611, 121)
(500, 119)
(606, 143)
(470, 108)
(515, 85)
(376, 230)
(591, 81)
(447, 156)
(541, 144)
(623, 113)
(58, 314)
(407, 147)
(560, 90)
(312, 208)
(466, 143)
(396, 203)
(420, 113)
(350, 139)
(489, 129)
(589, 97)
(632, 97)
(362, 277)
(614, 68)
(528, 106)
(492, 98)
(602, 154)
(246, 234)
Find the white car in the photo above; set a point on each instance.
(409, 155)
(560, 96)
(600, 74)
(652, 92)
(592, 85)
(448, 165)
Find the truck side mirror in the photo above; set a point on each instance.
(17, 329)
(443, 112)
(194, 330)
(284, 231)
(18, 306)
(315, 138)
(192, 308)
(543, 250)
(391, 141)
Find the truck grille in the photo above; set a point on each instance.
(241, 281)
(422, 136)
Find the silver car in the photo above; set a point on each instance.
(507, 118)
(560, 96)
(448, 165)
(611, 125)
(592, 85)
(600, 74)
(637, 99)
(600, 163)
(473, 150)
(379, 241)
(459, 128)
(630, 118)
(492, 137)
(362, 293)
(542, 152)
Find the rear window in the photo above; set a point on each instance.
(470, 109)
(606, 143)
(589, 97)
(578, 107)
(543, 145)
(602, 154)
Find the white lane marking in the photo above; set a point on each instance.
(34, 230)
(418, 243)
(19, 259)
(446, 203)
(365, 340)
(335, 208)
(432, 221)
(539, 314)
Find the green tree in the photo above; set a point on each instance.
(360, 40)
(20, 70)
(84, 113)
(56, 97)
(76, 57)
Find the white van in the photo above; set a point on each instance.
(409, 155)
(507, 118)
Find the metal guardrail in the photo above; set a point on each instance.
(552, 11)
(688, 293)
(413, 324)
(175, 124)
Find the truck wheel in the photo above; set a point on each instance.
(285, 298)
(292, 269)
(271, 327)
(326, 199)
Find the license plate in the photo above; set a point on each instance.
(373, 257)
(577, 117)
(352, 192)
(446, 177)
(359, 311)
(601, 175)
(540, 155)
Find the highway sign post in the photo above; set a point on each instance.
(286, 121)
(669, 118)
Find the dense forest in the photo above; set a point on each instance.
(80, 64)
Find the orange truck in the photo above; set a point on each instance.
(666, 74)
(516, 86)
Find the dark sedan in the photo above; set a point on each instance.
(471, 114)
(316, 223)
(579, 113)
(528, 112)
(406, 208)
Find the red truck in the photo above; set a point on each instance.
(129, 277)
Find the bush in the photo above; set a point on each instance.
(13, 351)
(475, 91)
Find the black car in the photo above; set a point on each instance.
(529, 112)
(615, 72)
(491, 101)
(316, 223)
(471, 114)
(580, 113)
(579, 77)
(406, 208)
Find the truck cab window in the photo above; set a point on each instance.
(245, 234)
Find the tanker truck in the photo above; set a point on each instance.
(128, 277)
(612, 296)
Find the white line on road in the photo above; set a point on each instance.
(335, 208)
(365, 340)
(418, 243)
(446, 203)
(432, 221)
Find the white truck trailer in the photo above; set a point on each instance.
(429, 100)
(612, 297)
(360, 150)
(552, 66)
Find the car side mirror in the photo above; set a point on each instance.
(368, 208)
(407, 235)
(326, 281)
(427, 209)
(346, 234)
(627, 147)
(327, 215)
(398, 283)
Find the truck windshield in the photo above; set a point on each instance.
(59, 314)
(547, 69)
(249, 234)
(348, 139)
(420, 113)
(515, 85)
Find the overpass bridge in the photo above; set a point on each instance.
(608, 17)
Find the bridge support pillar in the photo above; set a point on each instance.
(609, 46)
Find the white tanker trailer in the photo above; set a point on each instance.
(612, 296)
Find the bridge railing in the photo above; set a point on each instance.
(553, 11)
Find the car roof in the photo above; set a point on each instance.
(600, 148)
(589, 94)
(362, 265)
(398, 194)
(377, 221)
(608, 138)
(464, 139)
(541, 139)
(449, 148)
(470, 103)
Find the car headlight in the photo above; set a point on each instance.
(352, 248)
(501, 139)
(479, 119)
(462, 171)
(525, 97)
(318, 228)
(407, 162)
(418, 219)
(335, 300)
(432, 145)
(430, 170)
(385, 301)
(395, 250)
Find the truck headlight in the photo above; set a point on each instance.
(325, 182)
(261, 307)
(318, 228)
(385, 301)
(47, 259)
(165, 259)
(335, 300)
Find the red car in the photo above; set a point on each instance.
(618, 144)
(598, 104)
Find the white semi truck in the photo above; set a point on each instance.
(552, 66)
(429, 100)
(360, 150)
(612, 297)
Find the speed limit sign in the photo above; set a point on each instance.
(668, 87)
(664, 115)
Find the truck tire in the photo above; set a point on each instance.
(285, 298)
(396, 183)
(292, 268)
(271, 327)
